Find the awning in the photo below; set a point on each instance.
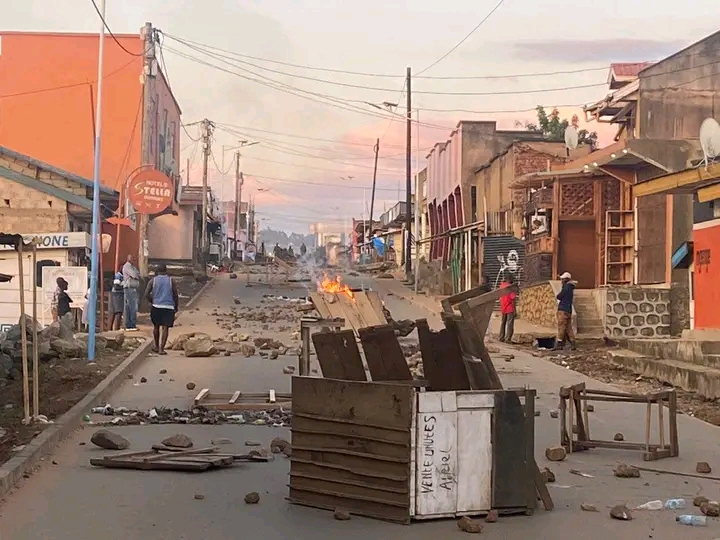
(705, 181)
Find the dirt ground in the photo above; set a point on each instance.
(63, 383)
(594, 363)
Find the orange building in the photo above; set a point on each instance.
(48, 93)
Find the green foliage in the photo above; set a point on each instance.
(553, 128)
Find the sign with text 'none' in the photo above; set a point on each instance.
(150, 191)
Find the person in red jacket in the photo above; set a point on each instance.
(507, 308)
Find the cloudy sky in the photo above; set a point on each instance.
(316, 128)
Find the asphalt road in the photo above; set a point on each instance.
(68, 499)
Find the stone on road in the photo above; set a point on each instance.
(109, 440)
(179, 440)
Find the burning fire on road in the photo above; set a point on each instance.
(335, 286)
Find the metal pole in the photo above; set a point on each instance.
(408, 182)
(372, 196)
(94, 256)
(148, 127)
(23, 339)
(238, 201)
(36, 357)
(206, 153)
(417, 199)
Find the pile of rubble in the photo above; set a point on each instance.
(413, 356)
(200, 344)
(121, 416)
(54, 341)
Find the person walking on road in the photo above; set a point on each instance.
(131, 284)
(564, 313)
(162, 294)
(507, 308)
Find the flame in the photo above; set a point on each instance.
(335, 286)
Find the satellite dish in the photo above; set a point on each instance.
(710, 139)
(571, 137)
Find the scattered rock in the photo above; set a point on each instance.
(274, 354)
(247, 349)
(253, 443)
(492, 516)
(180, 440)
(216, 442)
(703, 467)
(190, 386)
(587, 507)
(341, 515)
(199, 496)
(289, 370)
(143, 380)
(537, 413)
(227, 353)
(700, 500)
(232, 276)
(109, 440)
(554, 414)
(619, 437)
(469, 526)
(69, 348)
(555, 453)
(199, 347)
(236, 300)
(620, 512)
(163, 371)
(590, 407)
(113, 339)
(547, 475)
(627, 471)
(710, 509)
(252, 498)
(279, 446)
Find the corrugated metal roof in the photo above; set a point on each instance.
(628, 69)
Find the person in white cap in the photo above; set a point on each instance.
(564, 313)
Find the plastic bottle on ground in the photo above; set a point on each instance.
(675, 504)
(693, 521)
(651, 505)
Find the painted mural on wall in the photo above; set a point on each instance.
(503, 256)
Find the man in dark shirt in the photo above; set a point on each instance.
(564, 313)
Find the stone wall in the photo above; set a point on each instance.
(642, 312)
(679, 309)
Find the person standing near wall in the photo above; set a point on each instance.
(61, 301)
(163, 296)
(564, 313)
(507, 308)
(131, 284)
(117, 302)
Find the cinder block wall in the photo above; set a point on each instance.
(637, 312)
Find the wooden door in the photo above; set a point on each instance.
(578, 252)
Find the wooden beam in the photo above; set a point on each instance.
(683, 179)
(709, 193)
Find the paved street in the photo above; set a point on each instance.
(69, 499)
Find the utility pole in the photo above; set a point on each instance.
(372, 195)
(238, 198)
(207, 127)
(149, 73)
(408, 181)
(418, 194)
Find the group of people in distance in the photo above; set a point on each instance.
(161, 292)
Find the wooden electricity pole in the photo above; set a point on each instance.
(238, 198)
(372, 196)
(207, 127)
(408, 182)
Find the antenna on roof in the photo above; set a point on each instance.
(710, 139)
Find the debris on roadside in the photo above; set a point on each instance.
(587, 507)
(700, 500)
(554, 413)
(341, 515)
(621, 512)
(547, 475)
(252, 498)
(703, 467)
(619, 437)
(109, 440)
(492, 517)
(580, 473)
(626, 471)
(179, 440)
(272, 416)
(467, 525)
(190, 386)
(199, 496)
(710, 509)
(280, 446)
(555, 453)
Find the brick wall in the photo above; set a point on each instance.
(25, 210)
(529, 159)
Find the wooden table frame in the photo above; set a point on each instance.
(574, 414)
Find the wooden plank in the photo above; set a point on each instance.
(388, 405)
(350, 311)
(339, 356)
(442, 358)
(489, 298)
(436, 490)
(201, 395)
(384, 355)
(368, 311)
(475, 456)
(235, 397)
(376, 303)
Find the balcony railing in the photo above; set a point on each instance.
(542, 198)
(499, 223)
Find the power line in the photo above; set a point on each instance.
(377, 89)
(99, 14)
(310, 183)
(387, 75)
(463, 40)
(65, 86)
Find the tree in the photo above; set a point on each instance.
(554, 128)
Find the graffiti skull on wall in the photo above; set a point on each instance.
(509, 263)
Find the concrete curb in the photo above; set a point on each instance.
(41, 446)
